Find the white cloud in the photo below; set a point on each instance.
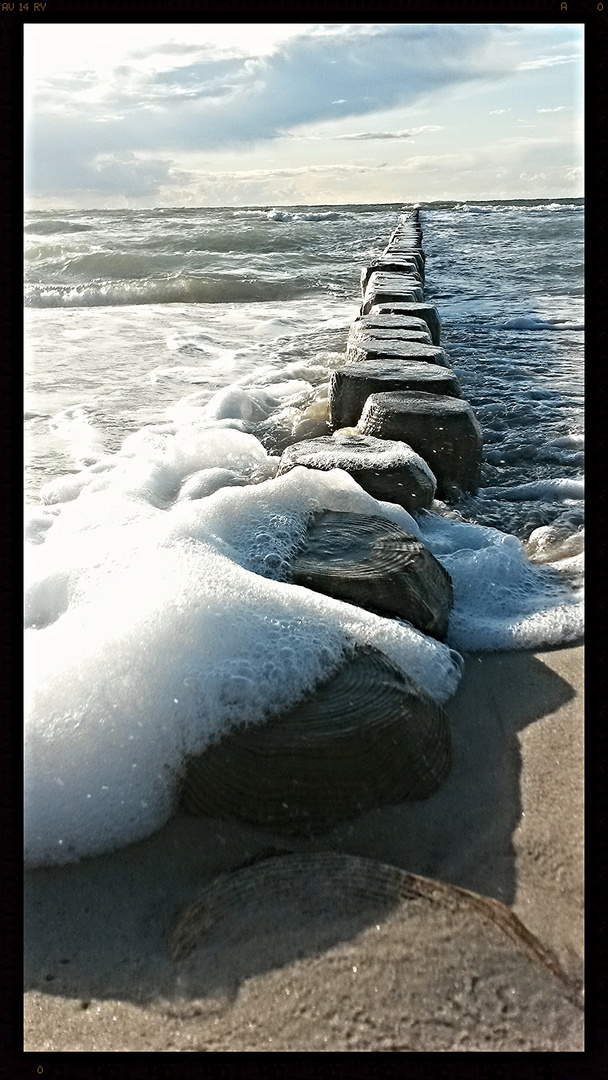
(548, 61)
(374, 135)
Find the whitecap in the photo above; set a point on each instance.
(532, 322)
(554, 490)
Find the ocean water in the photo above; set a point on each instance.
(170, 356)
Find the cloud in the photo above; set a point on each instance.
(407, 134)
(170, 48)
(203, 78)
(129, 173)
(299, 184)
(558, 108)
(299, 170)
(134, 131)
(120, 173)
(211, 102)
(497, 112)
(548, 61)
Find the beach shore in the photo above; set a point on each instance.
(508, 824)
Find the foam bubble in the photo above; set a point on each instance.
(241, 404)
(207, 481)
(76, 428)
(63, 489)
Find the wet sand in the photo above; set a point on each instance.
(507, 824)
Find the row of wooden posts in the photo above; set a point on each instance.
(368, 735)
(397, 387)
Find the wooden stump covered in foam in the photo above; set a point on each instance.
(386, 469)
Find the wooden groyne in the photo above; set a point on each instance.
(397, 392)
(367, 735)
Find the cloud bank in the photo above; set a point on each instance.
(115, 134)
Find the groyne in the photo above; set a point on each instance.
(401, 428)
(396, 405)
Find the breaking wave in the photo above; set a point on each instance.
(177, 290)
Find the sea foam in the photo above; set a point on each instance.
(161, 615)
(558, 488)
(501, 599)
(158, 631)
(532, 322)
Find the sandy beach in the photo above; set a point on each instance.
(507, 824)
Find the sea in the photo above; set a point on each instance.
(170, 356)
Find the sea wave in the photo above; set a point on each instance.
(181, 289)
(502, 208)
(553, 490)
(45, 228)
(531, 322)
(277, 214)
(465, 208)
(199, 249)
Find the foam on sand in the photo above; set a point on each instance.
(501, 599)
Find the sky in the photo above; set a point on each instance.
(137, 116)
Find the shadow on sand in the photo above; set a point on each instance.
(100, 929)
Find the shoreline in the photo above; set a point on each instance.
(508, 823)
